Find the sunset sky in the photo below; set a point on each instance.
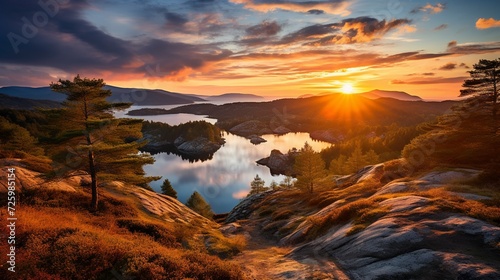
(266, 47)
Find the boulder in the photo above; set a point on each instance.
(231, 228)
(278, 163)
(256, 140)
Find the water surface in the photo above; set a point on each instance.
(225, 179)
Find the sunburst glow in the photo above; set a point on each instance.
(347, 89)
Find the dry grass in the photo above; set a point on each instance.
(362, 212)
(225, 247)
(57, 238)
(446, 201)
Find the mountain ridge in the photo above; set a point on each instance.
(400, 95)
(137, 96)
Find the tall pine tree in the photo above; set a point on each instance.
(199, 205)
(90, 138)
(167, 189)
(310, 168)
(484, 81)
(257, 186)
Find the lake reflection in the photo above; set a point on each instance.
(225, 179)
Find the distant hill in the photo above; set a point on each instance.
(232, 97)
(400, 95)
(40, 93)
(334, 111)
(10, 102)
(144, 97)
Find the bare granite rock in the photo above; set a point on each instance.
(251, 127)
(256, 140)
(245, 207)
(278, 163)
(198, 146)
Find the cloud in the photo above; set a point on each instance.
(429, 81)
(315, 12)
(473, 48)
(422, 74)
(307, 64)
(336, 7)
(452, 66)
(441, 27)
(448, 66)
(429, 8)
(69, 43)
(484, 23)
(265, 28)
(348, 31)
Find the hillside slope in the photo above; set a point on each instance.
(136, 233)
(10, 102)
(381, 224)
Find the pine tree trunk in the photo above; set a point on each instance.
(93, 177)
(495, 94)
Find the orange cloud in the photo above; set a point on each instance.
(433, 9)
(429, 81)
(484, 23)
(336, 7)
(348, 31)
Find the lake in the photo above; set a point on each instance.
(224, 179)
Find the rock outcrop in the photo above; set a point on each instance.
(278, 163)
(198, 146)
(166, 207)
(27, 179)
(326, 135)
(251, 127)
(432, 180)
(405, 233)
(170, 209)
(245, 207)
(256, 140)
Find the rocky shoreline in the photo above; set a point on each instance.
(199, 147)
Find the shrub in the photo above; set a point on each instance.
(158, 232)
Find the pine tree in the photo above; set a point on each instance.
(287, 182)
(356, 160)
(90, 138)
(273, 185)
(16, 138)
(167, 189)
(484, 81)
(337, 166)
(257, 186)
(310, 168)
(371, 157)
(199, 205)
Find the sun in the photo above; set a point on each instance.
(347, 88)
